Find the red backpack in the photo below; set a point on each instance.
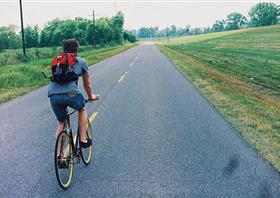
(62, 68)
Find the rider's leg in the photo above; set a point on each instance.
(60, 111)
(59, 129)
(82, 124)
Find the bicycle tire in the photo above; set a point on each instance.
(63, 160)
(86, 153)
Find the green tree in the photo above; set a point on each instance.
(264, 14)
(118, 20)
(31, 36)
(129, 36)
(187, 29)
(117, 25)
(152, 31)
(206, 30)
(235, 20)
(144, 32)
(108, 31)
(196, 31)
(218, 26)
(89, 33)
(180, 31)
(47, 33)
(65, 30)
(104, 31)
(8, 38)
(84, 27)
(58, 30)
(173, 30)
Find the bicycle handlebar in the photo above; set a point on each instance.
(90, 101)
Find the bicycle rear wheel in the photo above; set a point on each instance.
(64, 160)
(86, 153)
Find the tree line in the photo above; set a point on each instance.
(262, 14)
(109, 31)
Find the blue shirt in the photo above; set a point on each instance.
(80, 68)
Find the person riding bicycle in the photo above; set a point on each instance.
(67, 94)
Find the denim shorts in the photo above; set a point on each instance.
(60, 102)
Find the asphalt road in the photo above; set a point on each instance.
(155, 135)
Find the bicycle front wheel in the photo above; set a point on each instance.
(86, 153)
(64, 160)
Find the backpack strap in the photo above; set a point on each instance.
(66, 58)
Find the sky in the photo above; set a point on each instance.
(145, 13)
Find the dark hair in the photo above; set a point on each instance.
(70, 45)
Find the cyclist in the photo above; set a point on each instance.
(67, 94)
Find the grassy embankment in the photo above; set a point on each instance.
(239, 72)
(19, 78)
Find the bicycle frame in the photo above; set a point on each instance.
(62, 161)
(67, 127)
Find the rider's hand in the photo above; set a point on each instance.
(93, 97)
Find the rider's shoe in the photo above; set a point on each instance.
(86, 144)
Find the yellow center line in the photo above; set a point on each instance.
(121, 78)
(92, 117)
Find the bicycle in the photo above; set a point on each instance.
(67, 149)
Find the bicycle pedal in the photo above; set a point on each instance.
(63, 164)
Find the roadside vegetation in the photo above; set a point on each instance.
(108, 31)
(261, 14)
(22, 76)
(239, 72)
(20, 73)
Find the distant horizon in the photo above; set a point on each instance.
(137, 14)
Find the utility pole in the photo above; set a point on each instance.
(93, 31)
(22, 28)
(167, 34)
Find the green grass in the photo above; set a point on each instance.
(12, 57)
(18, 79)
(239, 72)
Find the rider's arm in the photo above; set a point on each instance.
(88, 87)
